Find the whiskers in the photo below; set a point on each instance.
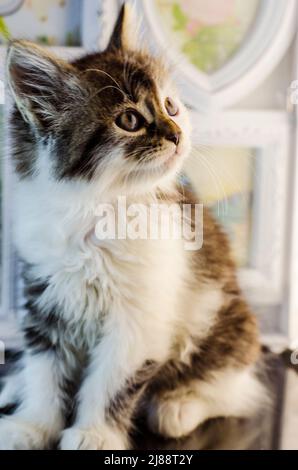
(139, 168)
(205, 156)
(103, 72)
(136, 163)
(222, 199)
(116, 85)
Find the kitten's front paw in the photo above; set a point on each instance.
(92, 439)
(19, 435)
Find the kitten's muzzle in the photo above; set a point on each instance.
(169, 130)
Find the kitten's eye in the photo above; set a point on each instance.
(130, 121)
(171, 107)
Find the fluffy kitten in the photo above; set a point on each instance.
(115, 326)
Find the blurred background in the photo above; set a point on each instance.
(51, 22)
(235, 62)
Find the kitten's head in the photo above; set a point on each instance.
(112, 117)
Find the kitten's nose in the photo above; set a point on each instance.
(173, 137)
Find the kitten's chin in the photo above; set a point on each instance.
(160, 171)
(153, 175)
(161, 167)
(170, 158)
(171, 162)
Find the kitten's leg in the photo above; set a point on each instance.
(218, 378)
(115, 379)
(39, 419)
(226, 393)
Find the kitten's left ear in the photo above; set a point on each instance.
(125, 34)
(43, 86)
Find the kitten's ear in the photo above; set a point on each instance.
(125, 34)
(42, 85)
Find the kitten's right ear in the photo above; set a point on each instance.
(125, 35)
(41, 83)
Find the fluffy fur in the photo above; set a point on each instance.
(115, 327)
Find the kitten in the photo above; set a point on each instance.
(115, 327)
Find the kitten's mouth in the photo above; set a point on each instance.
(169, 159)
(162, 162)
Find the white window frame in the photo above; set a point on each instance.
(268, 41)
(269, 132)
(292, 323)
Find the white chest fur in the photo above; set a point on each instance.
(133, 281)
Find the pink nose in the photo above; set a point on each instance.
(174, 137)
